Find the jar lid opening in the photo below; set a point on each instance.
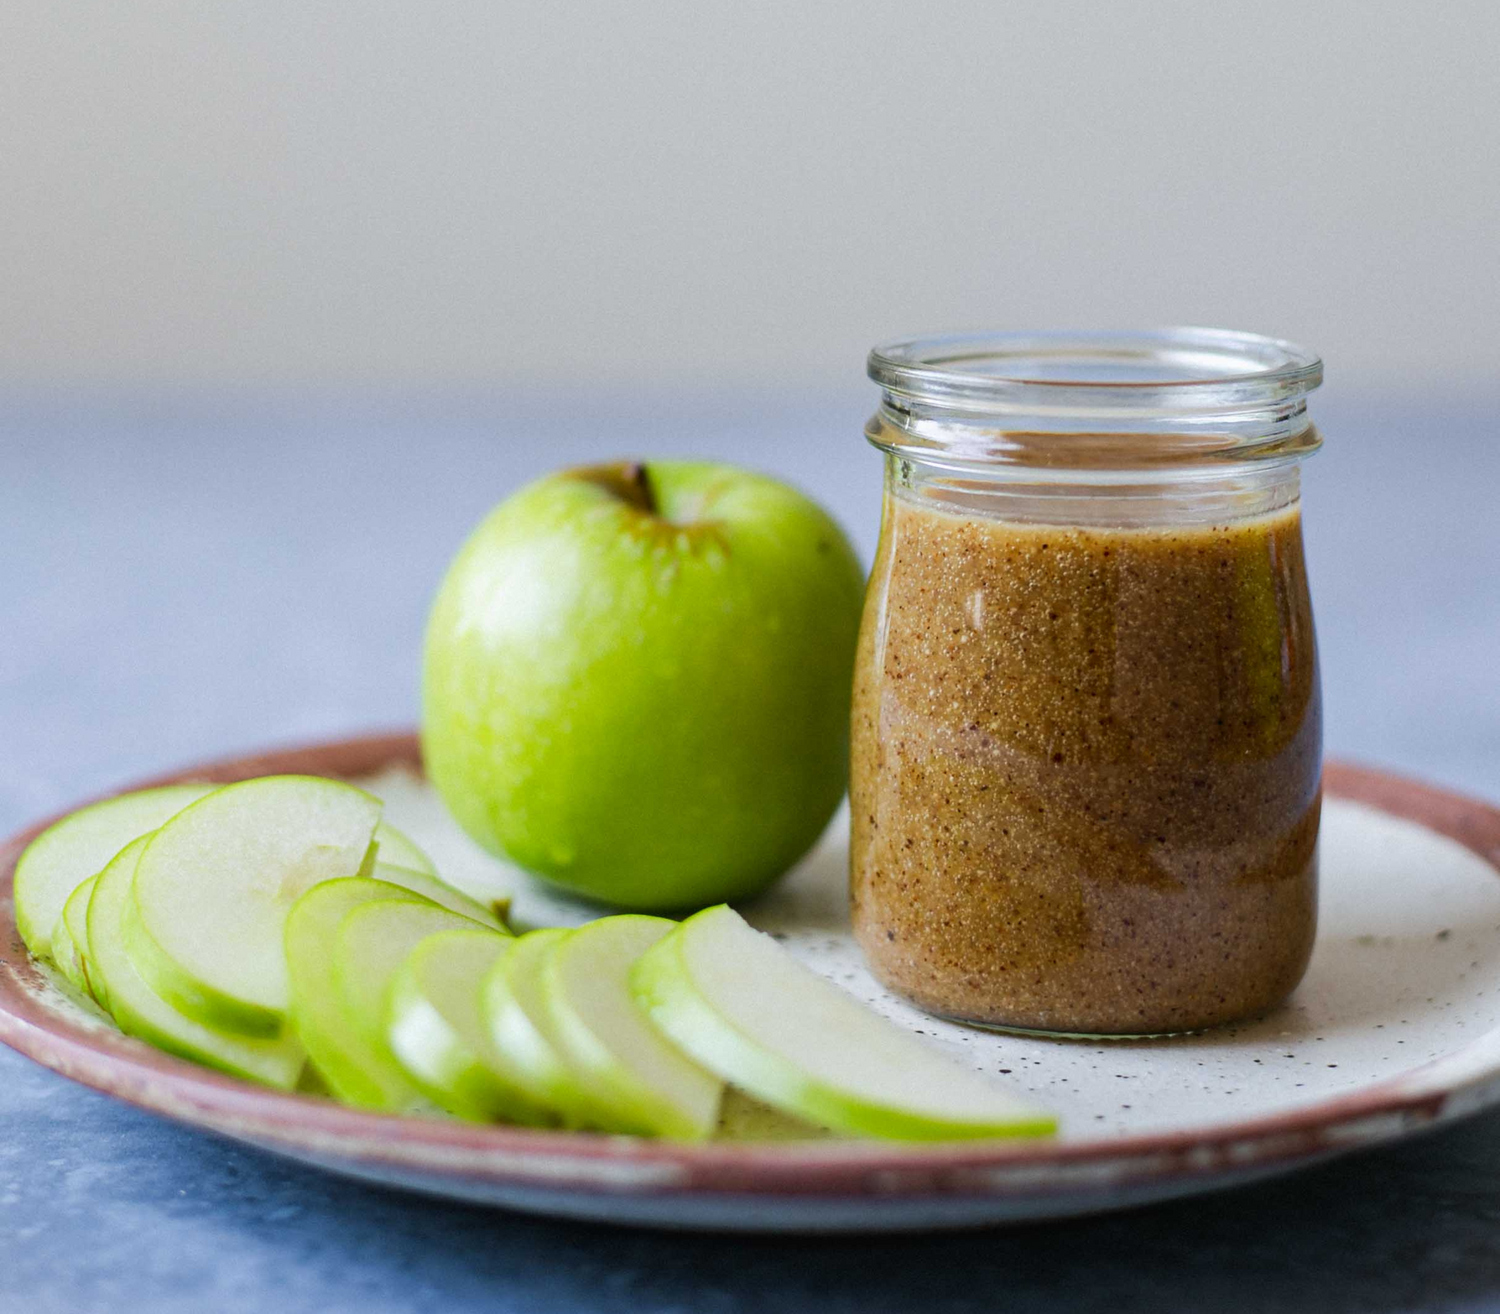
(1175, 370)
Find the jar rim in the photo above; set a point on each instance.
(1175, 371)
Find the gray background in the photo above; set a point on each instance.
(271, 191)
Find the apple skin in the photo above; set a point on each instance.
(637, 681)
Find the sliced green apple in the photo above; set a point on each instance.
(437, 1033)
(75, 917)
(75, 921)
(370, 944)
(67, 959)
(354, 1071)
(144, 1014)
(521, 1026)
(746, 1009)
(439, 891)
(398, 850)
(214, 886)
(742, 1117)
(78, 846)
(647, 1086)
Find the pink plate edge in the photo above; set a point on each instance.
(512, 1164)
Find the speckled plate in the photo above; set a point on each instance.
(1396, 1029)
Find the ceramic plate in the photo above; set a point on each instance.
(1395, 1029)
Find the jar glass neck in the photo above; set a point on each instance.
(1138, 499)
(1091, 450)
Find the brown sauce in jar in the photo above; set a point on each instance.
(1086, 770)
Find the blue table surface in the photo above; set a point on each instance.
(188, 578)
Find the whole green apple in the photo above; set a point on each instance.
(637, 680)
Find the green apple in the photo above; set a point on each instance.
(214, 886)
(142, 1013)
(647, 1085)
(436, 1029)
(369, 946)
(746, 1009)
(438, 891)
(354, 1069)
(742, 1117)
(514, 1009)
(75, 924)
(67, 959)
(75, 929)
(637, 680)
(77, 847)
(397, 850)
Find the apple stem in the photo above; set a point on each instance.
(636, 487)
(627, 480)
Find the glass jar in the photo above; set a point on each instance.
(1087, 735)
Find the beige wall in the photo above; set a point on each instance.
(423, 193)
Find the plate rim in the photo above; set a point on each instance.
(1452, 1085)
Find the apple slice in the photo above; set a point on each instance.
(647, 1085)
(78, 846)
(67, 959)
(745, 1008)
(397, 849)
(75, 919)
(439, 891)
(214, 886)
(353, 1070)
(437, 1033)
(521, 1026)
(75, 923)
(144, 1014)
(370, 944)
